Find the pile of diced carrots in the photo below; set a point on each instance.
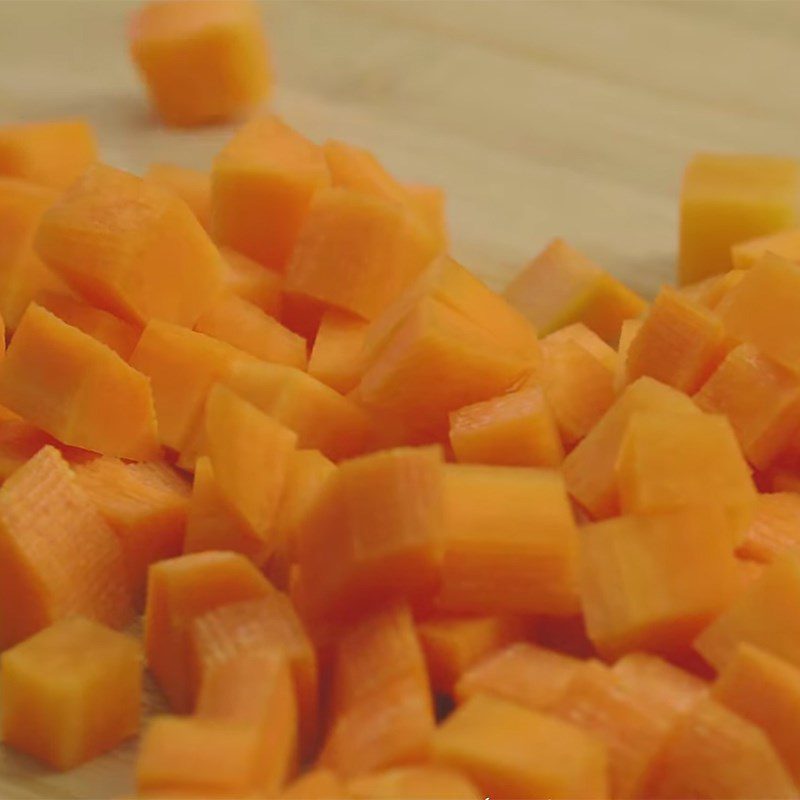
(393, 534)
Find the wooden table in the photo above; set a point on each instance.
(539, 118)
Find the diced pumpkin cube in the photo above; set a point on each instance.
(653, 583)
(71, 692)
(253, 282)
(413, 783)
(336, 359)
(774, 529)
(191, 185)
(785, 244)
(727, 199)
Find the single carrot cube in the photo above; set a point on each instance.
(774, 529)
(758, 617)
(203, 61)
(252, 282)
(664, 465)
(145, 505)
(653, 583)
(131, 247)
(710, 292)
(191, 185)
(511, 751)
(52, 153)
(77, 389)
(589, 469)
(627, 333)
(180, 589)
(785, 244)
(261, 186)
(514, 429)
(532, 676)
(561, 286)
(413, 783)
(510, 542)
(244, 325)
(712, 752)
(727, 199)
(119, 335)
(336, 359)
(71, 692)
(680, 343)
(316, 784)
(429, 202)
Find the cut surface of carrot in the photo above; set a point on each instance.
(191, 185)
(336, 358)
(774, 529)
(253, 282)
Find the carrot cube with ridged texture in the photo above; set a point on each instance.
(262, 184)
(774, 529)
(759, 616)
(653, 583)
(785, 244)
(253, 282)
(532, 676)
(680, 343)
(375, 531)
(336, 358)
(202, 61)
(590, 469)
(318, 783)
(413, 783)
(453, 644)
(71, 692)
(510, 542)
(430, 203)
(145, 505)
(131, 247)
(514, 429)
(511, 752)
(52, 153)
(561, 286)
(712, 752)
(673, 461)
(728, 198)
(192, 185)
(77, 389)
(244, 325)
(180, 589)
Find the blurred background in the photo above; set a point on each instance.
(538, 118)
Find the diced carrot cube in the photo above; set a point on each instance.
(429, 202)
(180, 589)
(131, 247)
(21, 441)
(510, 542)
(711, 291)
(50, 153)
(727, 199)
(261, 186)
(653, 583)
(785, 244)
(627, 333)
(336, 359)
(191, 185)
(253, 282)
(202, 61)
(511, 751)
(561, 286)
(71, 692)
(317, 784)
(526, 674)
(66, 383)
(413, 783)
(774, 529)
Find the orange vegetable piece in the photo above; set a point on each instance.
(628, 332)
(785, 244)
(244, 325)
(252, 282)
(375, 531)
(726, 199)
(710, 292)
(262, 184)
(522, 673)
(201, 61)
(336, 358)
(680, 343)
(52, 153)
(510, 542)
(452, 645)
(511, 752)
(578, 379)
(758, 617)
(589, 469)
(180, 589)
(413, 783)
(712, 752)
(775, 527)
(145, 505)
(514, 429)
(653, 583)
(191, 185)
(561, 286)
(429, 202)
(131, 247)
(317, 784)
(664, 464)
(71, 692)
(112, 331)
(77, 389)
(21, 441)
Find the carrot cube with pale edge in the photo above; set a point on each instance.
(191, 185)
(71, 692)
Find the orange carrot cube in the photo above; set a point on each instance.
(71, 692)
(727, 199)
(336, 359)
(711, 291)
(774, 529)
(201, 61)
(191, 185)
(628, 332)
(20, 441)
(252, 282)
(785, 244)
(413, 783)
(429, 202)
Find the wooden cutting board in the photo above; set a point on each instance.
(539, 118)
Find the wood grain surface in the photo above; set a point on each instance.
(539, 118)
